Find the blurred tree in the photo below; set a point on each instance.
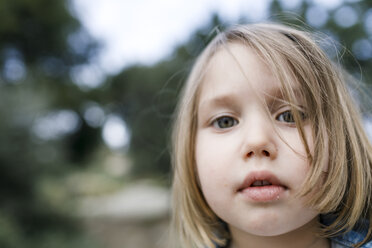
(349, 25)
(38, 30)
(40, 44)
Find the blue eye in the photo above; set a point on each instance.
(287, 116)
(225, 122)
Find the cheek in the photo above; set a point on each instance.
(207, 165)
(211, 159)
(294, 156)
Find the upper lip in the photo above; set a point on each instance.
(260, 176)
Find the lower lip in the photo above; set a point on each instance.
(267, 193)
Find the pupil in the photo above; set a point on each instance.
(288, 117)
(225, 122)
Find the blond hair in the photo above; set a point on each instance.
(338, 134)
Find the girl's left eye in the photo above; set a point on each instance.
(287, 116)
(224, 122)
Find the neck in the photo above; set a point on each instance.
(303, 237)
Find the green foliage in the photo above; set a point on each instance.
(38, 30)
(35, 61)
(344, 38)
(145, 97)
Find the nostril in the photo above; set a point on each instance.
(263, 153)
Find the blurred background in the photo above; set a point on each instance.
(88, 89)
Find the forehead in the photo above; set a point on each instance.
(237, 69)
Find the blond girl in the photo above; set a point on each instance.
(269, 148)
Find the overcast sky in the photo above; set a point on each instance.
(147, 30)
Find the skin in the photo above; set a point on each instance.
(236, 136)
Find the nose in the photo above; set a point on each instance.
(259, 139)
(261, 151)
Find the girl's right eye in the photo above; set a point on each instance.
(224, 122)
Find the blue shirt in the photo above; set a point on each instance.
(350, 238)
(347, 239)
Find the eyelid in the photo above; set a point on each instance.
(219, 114)
(287, 107)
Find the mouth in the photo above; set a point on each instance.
(262, 186)
(259, 183)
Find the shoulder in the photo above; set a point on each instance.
(349, 239)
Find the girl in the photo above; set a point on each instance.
(268, 147)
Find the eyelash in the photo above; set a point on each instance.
(225, 122)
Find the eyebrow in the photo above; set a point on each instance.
(277, 95)
(219, 101)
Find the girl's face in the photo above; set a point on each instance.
(250, 162)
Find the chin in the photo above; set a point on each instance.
(268, 231)
(268, 226)
(274, 227)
